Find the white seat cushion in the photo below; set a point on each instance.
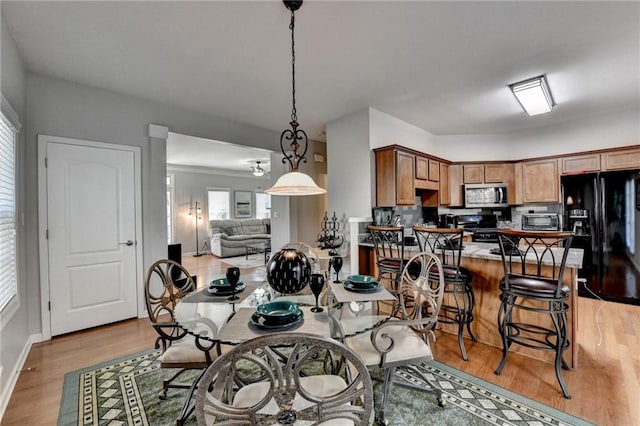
(408, 346)
(323, 385)
(185, 350)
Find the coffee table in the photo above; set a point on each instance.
(259, 248)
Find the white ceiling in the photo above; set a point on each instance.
(187, 150)
(442, 66)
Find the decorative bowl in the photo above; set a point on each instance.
(278, 311)
(363, 281)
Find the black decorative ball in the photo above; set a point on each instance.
(288, 271)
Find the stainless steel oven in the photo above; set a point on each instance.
(541, 222)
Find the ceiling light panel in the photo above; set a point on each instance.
(534, 95)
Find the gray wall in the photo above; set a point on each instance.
(14, 333)
(351, 166)
(60, 108)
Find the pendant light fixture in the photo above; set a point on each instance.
(294, 183)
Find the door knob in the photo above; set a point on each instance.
(127, 243)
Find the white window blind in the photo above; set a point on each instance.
(8, 278)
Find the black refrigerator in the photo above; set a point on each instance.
(600, 209)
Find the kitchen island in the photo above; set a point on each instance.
(487, 272)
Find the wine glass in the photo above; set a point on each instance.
(336, 262)
(233, 276)
(316, 283)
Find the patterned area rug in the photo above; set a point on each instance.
(125, 392)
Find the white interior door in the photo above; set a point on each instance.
(91, 236)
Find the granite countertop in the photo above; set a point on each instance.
(479, 250)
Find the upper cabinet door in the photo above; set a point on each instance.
(445, 191)
(455, 186)
(541, 181)
(473, 173)
(621, 160)
(493, 173)
(405, 186)
(581, 164)
(422, 168)
(434, 171)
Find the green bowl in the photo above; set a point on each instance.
(362, 281)
(278, 311)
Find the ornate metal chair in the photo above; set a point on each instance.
(403, 343)
(388, 243)
(308, 251)
(457, 308)
(534, 286)
(180, 350)
(281, 378)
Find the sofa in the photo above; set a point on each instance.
(229, 237)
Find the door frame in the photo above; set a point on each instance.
(43, 140)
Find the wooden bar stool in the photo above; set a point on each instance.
(457, 308)
(534, 286)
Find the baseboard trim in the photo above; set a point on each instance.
(11, 384)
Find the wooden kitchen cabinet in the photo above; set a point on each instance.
(434, 171)
(422, 168)
(484, 173)
(621, 160)
(509, 175)
(541, 181)
(427, 169)
(473, 173)
(580, 164)
(444, 191)
(395, 174)
(456, 198)
(494, 173)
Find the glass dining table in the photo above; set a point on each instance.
(217, 319)
(214, 319)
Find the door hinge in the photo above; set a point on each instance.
(49, 304)
(46, 236)
(46, 162)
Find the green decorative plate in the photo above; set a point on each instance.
(362, 281)
(262, 322)
(348, 285)
(226, 290)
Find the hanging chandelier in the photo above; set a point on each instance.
(294, 139)
(258, 170)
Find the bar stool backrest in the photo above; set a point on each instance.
(545, 253)
(446, 243)
(388, 242)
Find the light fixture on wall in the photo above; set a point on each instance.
(258, 170)
(294, 183)
(534, 95)
(198, 214)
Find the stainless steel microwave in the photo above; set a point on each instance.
(541, 222)
(485, 195)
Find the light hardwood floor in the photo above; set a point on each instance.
(604, 388)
